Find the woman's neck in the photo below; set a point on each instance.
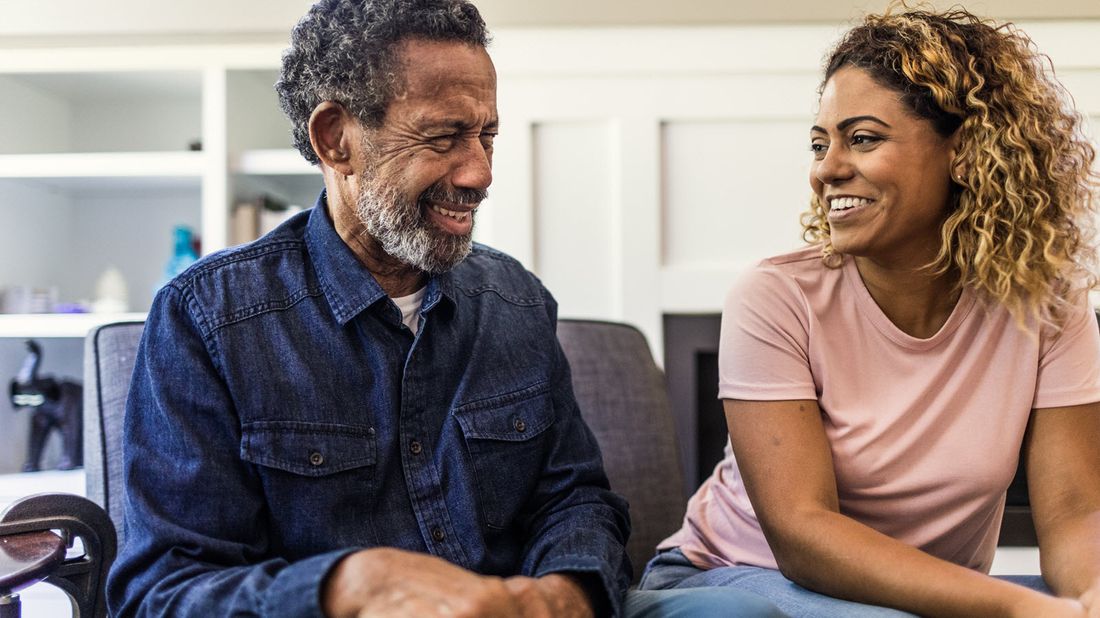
(917, 301)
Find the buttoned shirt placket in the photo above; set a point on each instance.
(420, 421)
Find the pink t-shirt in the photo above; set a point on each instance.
(925, 433)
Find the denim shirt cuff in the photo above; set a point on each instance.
(296, 591)
(591, 566)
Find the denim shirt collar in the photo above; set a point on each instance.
(348, 286)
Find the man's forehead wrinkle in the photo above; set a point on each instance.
(433, 85)
(449, 121)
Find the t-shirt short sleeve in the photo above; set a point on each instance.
(763, 354)
(1069, 362)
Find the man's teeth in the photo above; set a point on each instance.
(844, 203)
(457, 216)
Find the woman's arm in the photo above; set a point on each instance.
(784, 457)
(1062, 451)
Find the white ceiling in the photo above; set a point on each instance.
(23, 22)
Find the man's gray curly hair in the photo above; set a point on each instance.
(344, 51)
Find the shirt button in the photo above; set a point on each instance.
(519, 425)
(316, 458)
(415, 448)
(438, 535)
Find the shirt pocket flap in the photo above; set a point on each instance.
(512, 417)
(308, 449)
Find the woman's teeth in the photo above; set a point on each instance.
(844, 203)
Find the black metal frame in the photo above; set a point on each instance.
(81, 578)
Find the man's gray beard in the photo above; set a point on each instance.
(402, 231)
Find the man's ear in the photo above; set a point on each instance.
(332, 131)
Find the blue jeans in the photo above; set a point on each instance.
(671, 570)
(698, 603)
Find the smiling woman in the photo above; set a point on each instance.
(880, 385)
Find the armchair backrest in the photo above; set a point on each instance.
(623, 398)
(109, 353)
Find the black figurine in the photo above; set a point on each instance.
(57, 404)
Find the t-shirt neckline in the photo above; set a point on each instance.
(870, 310)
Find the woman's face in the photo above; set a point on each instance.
(883, 173)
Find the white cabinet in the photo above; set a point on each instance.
(261, 158)
(104, 150)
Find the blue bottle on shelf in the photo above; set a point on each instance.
(183, 253)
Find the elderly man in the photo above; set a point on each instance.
(363, 413)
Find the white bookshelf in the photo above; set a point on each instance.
(106, 149)
(103, 165)
(279, 172)
(274, 162)
(103, 151)
(15, 486)
(29, 326)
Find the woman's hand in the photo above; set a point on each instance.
(1090, 600)
(1050, 607)
(1039, 604)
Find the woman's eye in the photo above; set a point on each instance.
(818, 149)
(862, 139)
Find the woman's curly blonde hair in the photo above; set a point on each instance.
(1020, 231)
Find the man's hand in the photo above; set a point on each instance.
(549, 596)
(385, 582)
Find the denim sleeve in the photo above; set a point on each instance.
(195, 544)
(575, 523)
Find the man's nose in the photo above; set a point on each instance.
(474, 169)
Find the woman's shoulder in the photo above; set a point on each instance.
(806, 258)
(789, 280)
(801, 271)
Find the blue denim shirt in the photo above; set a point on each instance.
(282, 416)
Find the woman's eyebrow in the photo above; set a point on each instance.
(847, 122)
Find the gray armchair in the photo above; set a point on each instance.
(109, 354)
(623, 398)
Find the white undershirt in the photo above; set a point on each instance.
(410, 308)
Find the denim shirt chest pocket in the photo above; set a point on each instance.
(506, 439)
(311, 468)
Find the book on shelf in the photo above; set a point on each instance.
(255, 217)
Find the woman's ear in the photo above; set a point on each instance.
(959, 172)
(959, 167)
(331, 133)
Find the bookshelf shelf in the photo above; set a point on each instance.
(35, 325)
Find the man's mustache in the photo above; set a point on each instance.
(440, 193)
